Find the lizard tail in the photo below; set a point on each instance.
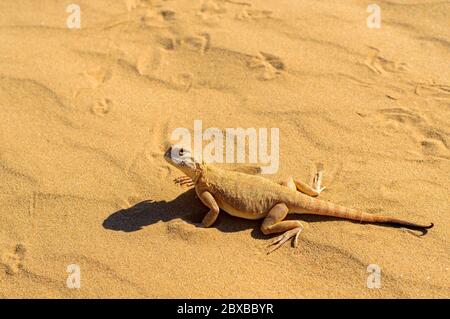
(323, 208)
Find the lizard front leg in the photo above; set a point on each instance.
(209, 201)
(273, 223)
(297, 184)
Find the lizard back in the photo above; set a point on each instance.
(244, 195)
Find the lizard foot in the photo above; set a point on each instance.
(184, 180)
(280, 240)
(317, 182)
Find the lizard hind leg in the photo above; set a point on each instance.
(274, 223)
(289, 182)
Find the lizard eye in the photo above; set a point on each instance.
(181, 152)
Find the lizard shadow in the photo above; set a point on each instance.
(186, 207)
(189, 208)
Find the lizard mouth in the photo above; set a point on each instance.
(168, 153)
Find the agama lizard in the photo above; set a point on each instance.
(254, 197)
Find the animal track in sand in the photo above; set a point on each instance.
(401, 115)
(102, 107)
(158, 18)
(433, 147)
(211, 12)
(182, 81)
(167, 15)
(271, 64)
(163, 63)
(436, 135)
(150, 61)
(151, 18)
(432, 141)
(381, 65)
(168, 43)
(435, 143)
(96, 77)
(436, 91)
(13, 261)
(251, 14)
(199, 43)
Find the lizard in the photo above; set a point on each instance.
(254, 197)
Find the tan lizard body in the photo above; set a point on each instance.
(254, 197)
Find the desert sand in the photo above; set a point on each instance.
(86, 114)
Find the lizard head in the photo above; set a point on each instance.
(182, 158)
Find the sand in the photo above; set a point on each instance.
(86, 114)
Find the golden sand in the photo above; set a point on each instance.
(86, 113)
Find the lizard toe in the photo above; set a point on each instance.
(280, 240)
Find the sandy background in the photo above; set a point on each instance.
(85, 115)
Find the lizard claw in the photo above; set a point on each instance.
(184, 180)
(280, 240)
(317, 182)
(181, 178)
(321, 189)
